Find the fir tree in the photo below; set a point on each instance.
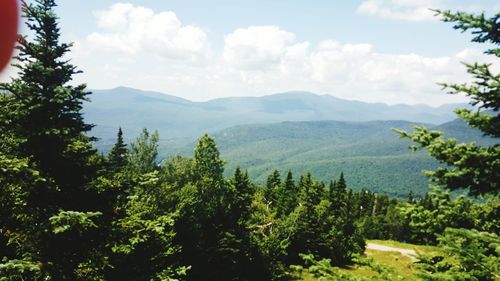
(207, 160)
(58, 225)
(46, 110)
(243, 194)
(287, 196)
(117, 157)
(272, 185)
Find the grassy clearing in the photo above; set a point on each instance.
(403, 265)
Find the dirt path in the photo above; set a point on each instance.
(405, 252)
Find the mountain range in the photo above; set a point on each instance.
(177, 118)
(297, 131)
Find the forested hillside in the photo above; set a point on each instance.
(69, 212)
(369, 153)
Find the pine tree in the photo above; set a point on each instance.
(337, 195)
(272, 185)
(243, 194)
(46, 110)
(208, 162)
(117, 157)
(212, 219)
(287, 196)
(341, 184)
(469, 165)
(58, 226)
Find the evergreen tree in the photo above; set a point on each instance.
(58, 225)
(337, 195)
(117, 157)
(287, 196)
(213, 216)
(469, 255)
(45, 109)
(469, 165)
(208, 162)
(243, 193)
(272, 185)
(341, 184)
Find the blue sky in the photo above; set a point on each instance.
(311, 20)
(391, 51)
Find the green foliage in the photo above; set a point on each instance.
(484, 29)
(19, 270)
(143, 153)
(207, 160)
(144, 246)
(272, 185)
(468, 165)
(468, 255)
(486, 215)
(431, 216)
(73, 221)
(48, 162)
(287, 196)
(70, 214)
(212, 226)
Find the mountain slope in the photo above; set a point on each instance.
(369, 153)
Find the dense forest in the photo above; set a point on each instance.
(69, 212)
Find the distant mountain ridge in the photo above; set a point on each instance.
(286, 131)
(176, 117)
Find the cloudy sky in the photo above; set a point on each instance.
(391, 51)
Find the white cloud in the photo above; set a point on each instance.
(135, 31)
(257, 47)
(138, 47)
(352, 71)
(408, 10)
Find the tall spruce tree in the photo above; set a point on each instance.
(46, 110)
(272, 185)
(287, 195)
(117, 157)
(58, 223)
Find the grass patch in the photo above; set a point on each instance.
(403, 265)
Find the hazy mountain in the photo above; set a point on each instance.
(180, 118)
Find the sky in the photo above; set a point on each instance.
(389, 51)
